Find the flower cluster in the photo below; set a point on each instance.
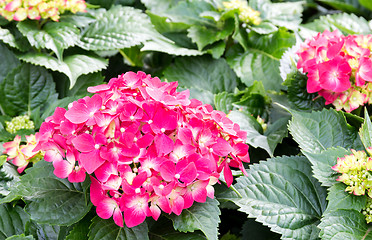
(19, 10)
(246, 14)
(18, 123)
(146, 147)
(339, 68)
(367, 210)
(22, 154)
(356, 172)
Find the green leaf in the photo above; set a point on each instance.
(348, 24)
(160, 6)
(260, 61)
(51, 200)
(85, 81)
(200, 216)
(254, 230)
(162, 44)
(21, 237)
(26, 88)
(282, 194)
(224, 101)
(317, 131)
(55, 36)
(14, 40)
(3, 159)
(204, 76)
(264, 28)
(267, 141)
(365, 132)
(339, 199)
(59, 103)
(298, 96)
(46, 231)
(11, 62)
(345, 224)
(12, 221)
(72, 66)
(366, 4)
(162, 229)
(120, 27)
(81, 229)
(107, 230)
(323, 162)
(345, 5)
(8, 177)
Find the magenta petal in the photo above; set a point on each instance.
(222, 147)
(84, 143)
(188, 174)
(91, 161)
(77, 175)
(163, 144)
(178, 205)
(62, 168)
(167, 171)
(96, 192)
(118, 217)
(228, 175)
(106, 208)
(79, 113)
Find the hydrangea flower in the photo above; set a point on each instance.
(339, 68)
(367, 210)
(356, 172)
(147, 148)
(19, 10)
(18, 123)
(246, 14)
(22, 154)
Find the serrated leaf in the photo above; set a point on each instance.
(26, 88)
(120, 27)
(317, 131)
(72, 66)
(55, 36)
(365, 132)
(14, 41)
(20, 237)
(345, 224)
(46, 231)
(264, 28)
(162, 44)
(107, 230)
(204, 76)
(298, 96)
(224, 101)
(267, 141)
(85, 81)
(81, 229)
(8, 177)
(200, 216)
(51, 200)
(349, 24)
(260, 61)
(322, 163)
(11, 62)
(159, 6)
(282, 194)
(12, 221)
(339, 199)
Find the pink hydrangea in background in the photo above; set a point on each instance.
(339, 68)
(147, 148)
(20, 10)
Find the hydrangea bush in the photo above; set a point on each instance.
(213, 119)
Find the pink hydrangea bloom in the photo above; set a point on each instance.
(147, 148)
(338, 67)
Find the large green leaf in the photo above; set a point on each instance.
(51, 200)
(80, 230)
(200, 216)
(347, 23)
(15, 40)
(103, 229)
(85, 81)
(8, 177)
(162, 44)
(267, 140)
(120, 27)
(204, 76)
(365, 132)
(55, 36)
(366, 4)
(11, 62)
(317, 131)
(72, 66)
(339, 199)
(323, 162)
(26, 88)
(282, 194)
(298, 96)
(345, 224)
(12, 220)
(21, 237)
(260, 61)
(46, 231)
(345, 5)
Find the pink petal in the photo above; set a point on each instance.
(106, 207)
(222, 147)
(96, 192)
(62, 168)
(91, 161)
(163, 144)
(77, 175)
(188, 174)
(118, 217)
(78, 113)
(84, 143)
(168, 170)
